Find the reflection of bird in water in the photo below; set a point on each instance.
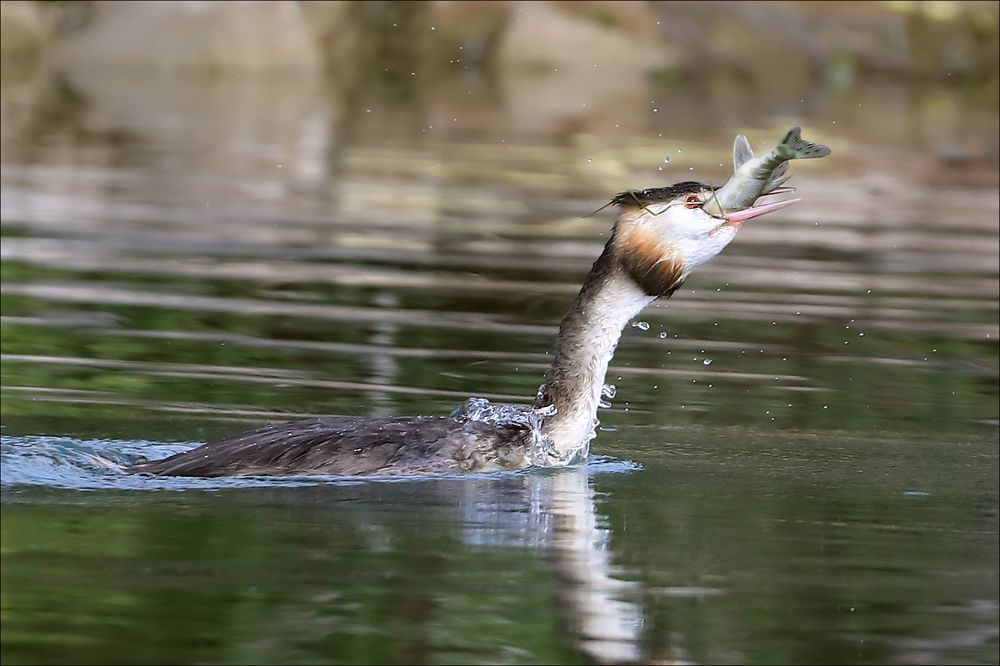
(661, 235)
(557, 514)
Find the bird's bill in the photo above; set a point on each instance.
(758, 209)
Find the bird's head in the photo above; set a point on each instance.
(662, 234)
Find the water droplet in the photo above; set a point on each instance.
(707, 361)
(666, 160)
(433, 28)
(641, 325)
(547, 410)
(663, 335)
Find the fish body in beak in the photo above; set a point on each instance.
(754, 177)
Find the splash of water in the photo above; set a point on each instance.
(608, 392)
(522, 416)
(543, 451)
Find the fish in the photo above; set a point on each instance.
(754, 177)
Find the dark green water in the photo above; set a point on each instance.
(800, 466)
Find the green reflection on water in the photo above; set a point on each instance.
(744, 546)
(282, 580)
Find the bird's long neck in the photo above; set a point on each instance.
(588, 336)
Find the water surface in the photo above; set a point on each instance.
(800, 465)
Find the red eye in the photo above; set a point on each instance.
(692, 201)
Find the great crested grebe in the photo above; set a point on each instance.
(660, 236)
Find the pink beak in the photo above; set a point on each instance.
(737, 218)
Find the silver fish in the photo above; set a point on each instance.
(754, 177)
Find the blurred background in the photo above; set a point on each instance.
(425, 167)
(216, 214)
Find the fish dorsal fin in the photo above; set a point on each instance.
(742, 152)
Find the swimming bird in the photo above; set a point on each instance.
(660, 236)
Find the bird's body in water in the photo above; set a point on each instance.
(661, 235)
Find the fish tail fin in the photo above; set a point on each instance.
(794, 147)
